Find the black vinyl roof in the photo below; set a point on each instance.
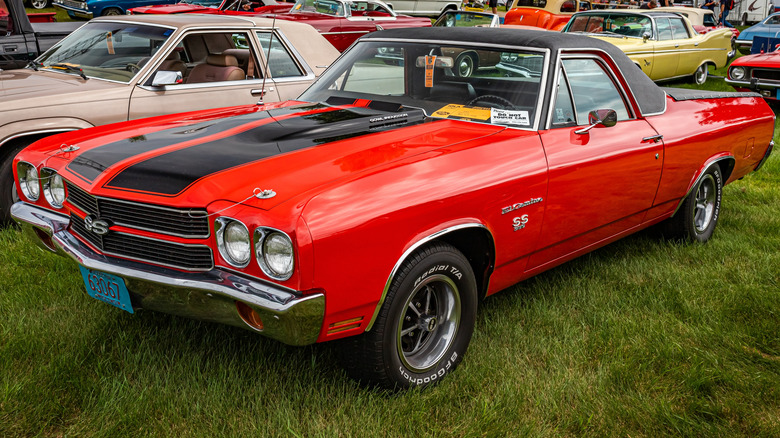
(651, 99)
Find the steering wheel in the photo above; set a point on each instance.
(491, 101)
(132, 68)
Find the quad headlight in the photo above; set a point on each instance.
(53, 187)
(233, 241)
(738, 73)
(274, 253)
(28, 180)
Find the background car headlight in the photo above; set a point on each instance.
(738, 73)
(274, 253)
(53, 187)
(509, 57)
(28, 180)
(233, 241)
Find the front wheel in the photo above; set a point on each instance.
(465, 64)
(696, 219)
(40, 4)
(424, 326)
(112, 11)
(700, 76)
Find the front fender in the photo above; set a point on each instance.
(36, 127)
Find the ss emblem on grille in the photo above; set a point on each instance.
(96, 225)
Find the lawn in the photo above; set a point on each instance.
(644, 337)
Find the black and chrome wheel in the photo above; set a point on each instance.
(696, 219)
(40, 4)
(112, 11)
(424, 326)
(465, 64)
(700, 76)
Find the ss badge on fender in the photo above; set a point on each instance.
(519, 222)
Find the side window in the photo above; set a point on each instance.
(563, 111)
(592, 88)
(280, 62)
(664, 29)
(679, 31)
(212, 57)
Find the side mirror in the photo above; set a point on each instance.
(162, 78)
(606, 118)
(646, 36)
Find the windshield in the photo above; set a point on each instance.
(112, 51)
(206, 3)
(463, 19)
(447, 81)
(623, 25)
(329, 7)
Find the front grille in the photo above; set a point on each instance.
(154, 218)
(771, 75)
(70, 3)
(189, 223)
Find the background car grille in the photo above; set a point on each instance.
(772, 75)
(70, 3)
(145, 217)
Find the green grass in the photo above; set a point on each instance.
(644, 337)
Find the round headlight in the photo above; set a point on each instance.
(53, 188)
(508, 57)
(28, 180)
(737, 73)
(233, 242)
(275, 254)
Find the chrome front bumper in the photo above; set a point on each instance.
(287, 316)
(767, 89)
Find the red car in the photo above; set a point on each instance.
(226, 7)
(759, 73)
(393, 196)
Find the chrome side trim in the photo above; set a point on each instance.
(698, 179)
(43, 131)
(406, 255)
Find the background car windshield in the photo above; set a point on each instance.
(461, 19)
(329, 7)
(206, 3)
(112, 51)
(447, 81)
(623, 25)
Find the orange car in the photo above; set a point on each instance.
(551, 15)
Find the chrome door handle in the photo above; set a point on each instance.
(653, 138)
(258, 92)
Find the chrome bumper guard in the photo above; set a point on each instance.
(765, 89)
(208, 296)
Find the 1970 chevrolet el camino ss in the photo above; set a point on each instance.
(392, 196)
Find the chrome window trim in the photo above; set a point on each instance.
(406, 255)
(257, 243)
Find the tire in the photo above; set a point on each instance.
(111, 11)
(697, 217)
(8, 193)
(408, 347)
(465, 64)
(730, 55)
(743, 21)
(700, 75)
(40, 4)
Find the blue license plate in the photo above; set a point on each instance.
(107, 288)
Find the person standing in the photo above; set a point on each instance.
(725, 7)
(493, 6)
(710, 4)
(649, 5)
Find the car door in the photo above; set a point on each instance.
(601, 182)
(687, 46)
(666, 56)
(214, 52)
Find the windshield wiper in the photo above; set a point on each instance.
(34, 65)
(70, 68)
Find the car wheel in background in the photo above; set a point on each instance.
(424, 326)
(112, 11)
(40, 4)
(700, 76)
(743, 21)
(730, 55)
(696, 219)
(465, 64)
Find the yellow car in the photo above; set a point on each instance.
(663, 44)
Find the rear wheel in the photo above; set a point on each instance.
(696, 219)
(700, 76)
(112, 11)
(465, 64)
(424, 326)
(40, 4)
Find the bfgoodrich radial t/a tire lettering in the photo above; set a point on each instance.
(424, 326)
(696, 219)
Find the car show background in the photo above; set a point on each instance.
(643, 337)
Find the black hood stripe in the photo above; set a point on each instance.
(172, 172)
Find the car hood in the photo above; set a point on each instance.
(771, 60)
(25, 88)
(765, 31)
(227, 155)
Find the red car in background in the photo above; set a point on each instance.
(759, 73)
(227, 7)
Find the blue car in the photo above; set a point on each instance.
(95, 8)
(768, 28)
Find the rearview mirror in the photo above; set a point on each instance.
(606, 118)
(162, 78)
(441, 62)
